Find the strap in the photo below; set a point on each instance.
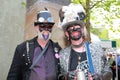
(39, 56)
(89, 59)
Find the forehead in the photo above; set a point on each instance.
(74, 26)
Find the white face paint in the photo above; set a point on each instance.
(44, 35)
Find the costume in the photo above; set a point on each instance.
(20, 68)
(99, 62)
(80, 55)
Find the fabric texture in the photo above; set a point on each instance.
(22, 61)
(99, 62)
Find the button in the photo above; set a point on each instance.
(23, 54)
(26, 63)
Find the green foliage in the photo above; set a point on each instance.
(94, 30)
(23, 4)
(118, 42)
(83, 2)
(104, 18)
(78, 1)
(75, 1)
(104, 34)
(105, 4)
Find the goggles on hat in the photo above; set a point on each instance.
(48, 19)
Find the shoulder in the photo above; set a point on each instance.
(65, 50)
(95, 45)
(96, 49)
(22, 45)
(56, 44)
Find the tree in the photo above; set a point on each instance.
(102, 15)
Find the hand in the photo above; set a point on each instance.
(72, 75)
(96, 77)
(90, 77)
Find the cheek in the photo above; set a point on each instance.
(82, 30)
(37, 28)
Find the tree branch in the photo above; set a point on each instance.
(97, 2)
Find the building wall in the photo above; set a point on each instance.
(12, 21)
(57, 33)
(16, 25)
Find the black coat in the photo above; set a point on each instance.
(22, 61)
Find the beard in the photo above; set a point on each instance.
(76, 37)
(43, 36)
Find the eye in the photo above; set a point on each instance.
(70, 29)
(82, 15)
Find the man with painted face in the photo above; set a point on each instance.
(37, 59)
(80, 55)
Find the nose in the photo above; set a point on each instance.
(74, 29)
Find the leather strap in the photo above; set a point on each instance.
(91, 67)
(39, 56)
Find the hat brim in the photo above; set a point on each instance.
(37, 23)
(69, 24)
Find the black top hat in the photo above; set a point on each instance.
(44, 17)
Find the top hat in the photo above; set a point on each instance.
(70, 15)
(44, 17)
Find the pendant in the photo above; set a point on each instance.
(79, 58)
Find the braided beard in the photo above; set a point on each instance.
(43, 36)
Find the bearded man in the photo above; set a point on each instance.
(37, 59)
(80, 55)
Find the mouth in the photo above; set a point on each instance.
(75, 34)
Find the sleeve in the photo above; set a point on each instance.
(106, 73)
(15, 68)
(103, 69)
(63, 74)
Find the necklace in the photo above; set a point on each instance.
(79, 57)
(79, 51)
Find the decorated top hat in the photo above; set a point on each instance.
(44, 17)
(70, 15)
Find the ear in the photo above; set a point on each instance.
(36, 27)
(66, 34)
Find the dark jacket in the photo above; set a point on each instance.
(22, 61)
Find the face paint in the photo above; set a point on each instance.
(75, 33)
(43, 36)
(46, 27)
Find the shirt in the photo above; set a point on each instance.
(45, 67)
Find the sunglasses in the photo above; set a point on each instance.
(70, 29)
(47, 27)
